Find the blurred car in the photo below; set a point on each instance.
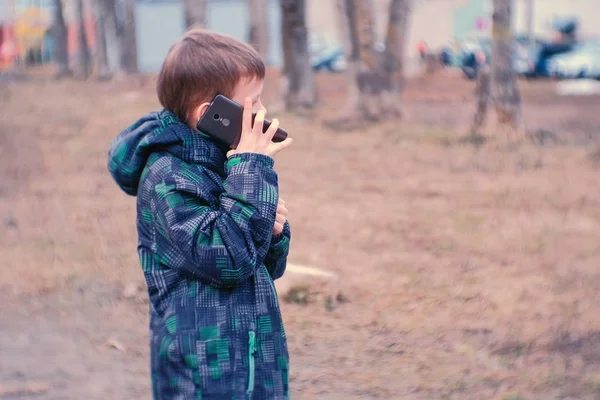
(450, 55)
(582, 61)
(526, 56)
(530, 58)
(474, 53)
(326, 54)
(545, 53)
(478, 53)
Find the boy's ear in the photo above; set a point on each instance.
(198, 112)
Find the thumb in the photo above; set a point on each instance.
(230, 153)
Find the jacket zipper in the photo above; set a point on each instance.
(251, 352)
(277, 304)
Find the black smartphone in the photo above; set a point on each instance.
(223, 122)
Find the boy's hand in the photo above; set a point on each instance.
(253, 140)
(280, 217)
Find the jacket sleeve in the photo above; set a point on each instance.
(276, 259)
(219, 243)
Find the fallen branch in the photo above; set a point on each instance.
(27, 389)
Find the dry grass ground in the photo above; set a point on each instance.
(463, 272)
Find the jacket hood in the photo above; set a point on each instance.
(159, 132)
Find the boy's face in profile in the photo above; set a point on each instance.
(249, 88)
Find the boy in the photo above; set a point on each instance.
(212, 231)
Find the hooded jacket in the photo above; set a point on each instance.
(209, 258)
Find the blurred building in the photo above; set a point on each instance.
(25, 30)
(474, 16)
(160, 22)
(7, 43)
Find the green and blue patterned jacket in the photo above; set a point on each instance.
(206, 247)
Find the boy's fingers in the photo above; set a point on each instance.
(281, 201)
(280, 219)
(278, 227)
(272, 129)
(259, 121)
(282, 210)
(247, 116)
(277, 147)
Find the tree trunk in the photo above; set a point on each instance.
(128, 43)
(298, 82)
(505, 92)
(195, 13)
(366, 61)
(114, 32)
(83, 56)
(259, 28)
(60, 53)
(375, 79)
(101, 68)
(395, 50)
(530, 13)
(482, 98)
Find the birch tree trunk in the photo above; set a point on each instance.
(483, 98)
(114, 31)
(259, 26)
(364, 66)
(298, 82)
(507, 100)
(375, 79)
(395, 51)
(195, 12)
(127, 39)
(83, 56)
(101, 67)
(60, 54)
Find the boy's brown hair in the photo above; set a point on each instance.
(201, 65)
